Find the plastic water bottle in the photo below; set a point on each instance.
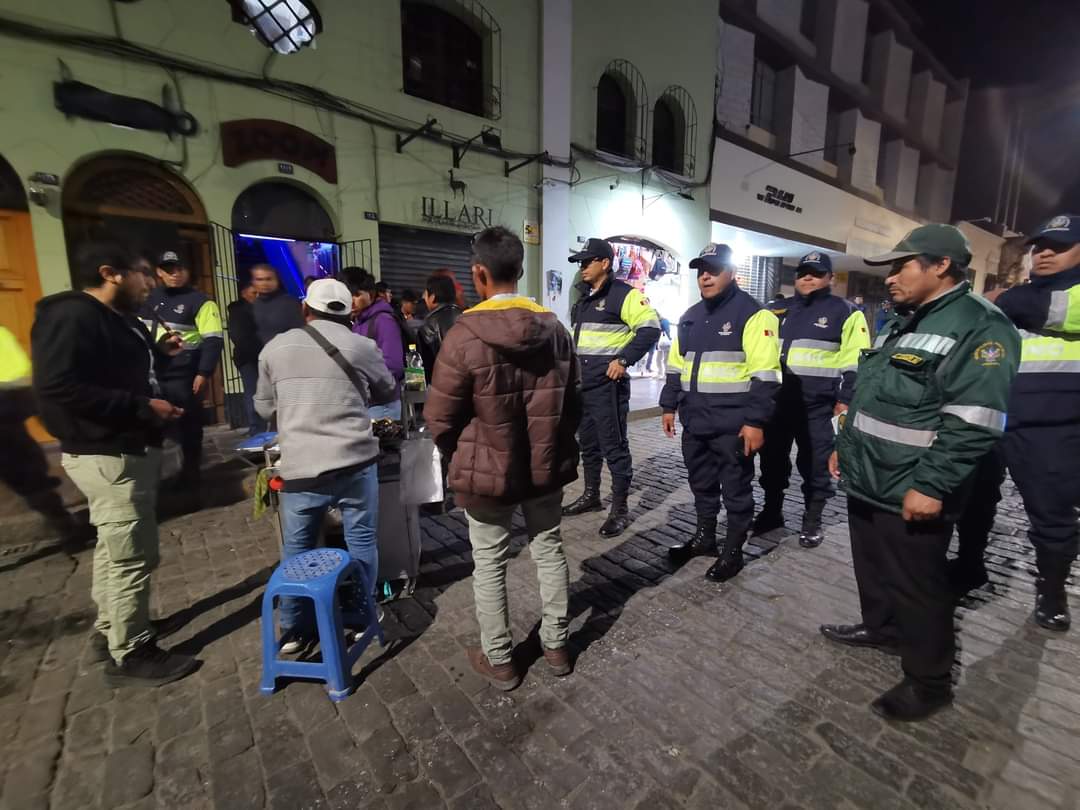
(414, 370)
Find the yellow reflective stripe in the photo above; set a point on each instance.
(674, 359)
(912, 437)
(1048, 354)
(721, 372)
(517, 302)
(723, 357)
(978, 415)
(14, 364)
(761, 342)
(818, 345)
(854, 338)
(208, 320)
(603, 341)
(637, 312)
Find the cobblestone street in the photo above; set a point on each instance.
(686, 694)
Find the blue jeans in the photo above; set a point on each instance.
(356, 495)
(391, 410)
(249, 375)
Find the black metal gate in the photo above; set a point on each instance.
(358, 253)
(227, 290)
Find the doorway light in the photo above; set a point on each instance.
(265, 238)
(284, 25)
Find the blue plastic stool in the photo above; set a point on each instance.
(317, 575)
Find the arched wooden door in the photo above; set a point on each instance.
(151, 208)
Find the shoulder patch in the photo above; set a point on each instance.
(908, 359)
(989, 354)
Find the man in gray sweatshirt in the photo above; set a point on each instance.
(328, 451)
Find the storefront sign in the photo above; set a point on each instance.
(531, 232)
(455, 214)
(263, 139)
(780, 198)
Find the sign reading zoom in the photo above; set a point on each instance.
(779, 198)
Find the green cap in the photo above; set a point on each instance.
(943, 241)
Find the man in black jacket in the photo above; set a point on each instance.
(275, 310)
(246, 348)
(92, 375)
(439, 296)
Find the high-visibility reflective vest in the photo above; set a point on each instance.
(821, 337)
(1047, 313)
(615, 321)
(14, 362)
(198, 320)
(724, 364)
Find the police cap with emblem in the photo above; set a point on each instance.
(169, 257)
(815, 263)
(940, 241)
(1064, 228)
(715, 257)
(594, 249)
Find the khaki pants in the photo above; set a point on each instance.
(122, 493)
(489, 533)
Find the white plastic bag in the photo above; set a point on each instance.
(421, 472)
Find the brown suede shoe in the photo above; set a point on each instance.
(501, 676)
(558, 661)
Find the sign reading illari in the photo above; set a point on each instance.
(455, 215)
(262, 139)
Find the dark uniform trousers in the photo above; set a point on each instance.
(188, 429)
(810, 427)
(602, 434)
(1044, 461)
(973, 527)
(718, 471)
(903, 588)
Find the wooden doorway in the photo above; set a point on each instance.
(151, 208)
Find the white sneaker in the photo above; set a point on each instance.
(293, 646)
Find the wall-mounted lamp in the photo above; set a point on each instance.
(42, 188)
(489, 136)
(284, 25)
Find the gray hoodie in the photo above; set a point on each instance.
(322, 419)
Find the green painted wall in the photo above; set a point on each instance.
(358, 56)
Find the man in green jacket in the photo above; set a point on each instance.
(930, 403)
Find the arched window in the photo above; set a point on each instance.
(450, 55)
(273, 208)
(666, 137)
(611, 117)
(674, 131)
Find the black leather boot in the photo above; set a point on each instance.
(702, 542)
(730, 559)
(966, 573)
(771, 515)
(588, 502)
(810, 536)
(909, 701)
(1051, 602)
(618, 519)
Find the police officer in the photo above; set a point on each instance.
(929, 405)
(821, 336)
(614, 327)
(1041, 445)
(176, 306)
(723, 378)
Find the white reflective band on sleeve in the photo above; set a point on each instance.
(652, 323)
(978, 415)
(936, 344)
(723, 387)
(212, 334)
(1059, 309)
(824, 345)
(912, 437)
(723, 357)
(1050, 366)
(815, 371)
(605, 327)
(879, 341)
(768, 375)
(600, 351)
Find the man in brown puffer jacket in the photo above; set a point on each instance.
(504, 405)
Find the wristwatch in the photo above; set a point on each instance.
(622, 361)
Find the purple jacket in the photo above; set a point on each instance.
(380, 324)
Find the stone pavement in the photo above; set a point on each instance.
(686, 694)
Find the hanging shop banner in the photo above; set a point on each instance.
(262, 139)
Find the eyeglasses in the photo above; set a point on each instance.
(587, 262)
(814, 273)
(707, 270)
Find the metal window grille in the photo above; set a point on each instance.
(632, 84)
(284, 25)
(681, 103)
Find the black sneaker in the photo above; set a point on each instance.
(149, 665)
(99, 649)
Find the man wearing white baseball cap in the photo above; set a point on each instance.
(320, 380)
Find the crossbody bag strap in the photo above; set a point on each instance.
(337, 357)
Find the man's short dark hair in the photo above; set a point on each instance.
(501, 252)
(344, 320)
(381, 287)
(409, 296)
(357, 279)
(93, 255)
(956, 271)
(441, 289)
